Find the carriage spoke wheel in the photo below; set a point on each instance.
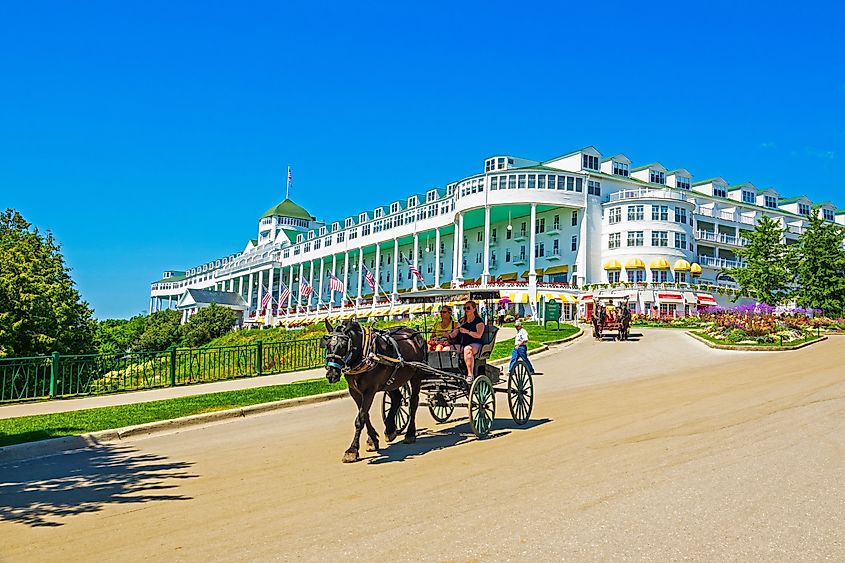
(403, 414)
(482, 406)
(440, 407)
(520, 393)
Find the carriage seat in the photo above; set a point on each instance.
(488, 341)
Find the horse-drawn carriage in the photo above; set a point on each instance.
(611, 314)
(397, 362)
(444, 382)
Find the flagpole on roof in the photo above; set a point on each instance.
(287, 188)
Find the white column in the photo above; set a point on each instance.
(260, 293)
(272, 296)
(334, 273)
(231, 285)
(416, 260)
(437, 257)
(376, 274)
(345, 280)
(322, 277)
(360, 274)
(311, 283)
(290, 289)
(241, 286)
(395, 270)
(460, 237)
(455, 253)
(485, 274)
(532, 260)
(151, 305)
(299, 290)
(249, 292)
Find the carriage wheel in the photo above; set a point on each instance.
(520, 393)
(440, 408)
(403, 414)
(482, 406)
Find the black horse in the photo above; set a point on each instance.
(349, 348)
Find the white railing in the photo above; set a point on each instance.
(721, 237)
(713, 262)
(726, 216)
(643, 193)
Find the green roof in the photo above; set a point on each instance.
(707, 181)
(638, 168)
(788, 200)
(175, 278)
(287, 209)
(291, 234)
(570, 154)
(539, 167)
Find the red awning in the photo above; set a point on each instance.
(586, 298)
(670, 297)
(706, 299)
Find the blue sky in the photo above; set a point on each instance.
(152, 135)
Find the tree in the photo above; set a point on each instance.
(209, 323)
(40, 309)
(819, 267)
(163, 329)
(115, 336)
(766, 276)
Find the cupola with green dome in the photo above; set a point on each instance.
(288, 208)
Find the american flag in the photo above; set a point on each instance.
(284, 293)
(305, 288)
(335, 284)
(290, 176)
(265, 299)
(368, 275)
(414, 270)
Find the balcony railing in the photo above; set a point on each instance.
(726, 216)
(642, 193)
(721, 238)
(713, 262)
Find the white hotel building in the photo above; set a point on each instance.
(563, 228)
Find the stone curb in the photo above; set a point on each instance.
(43, 448)
(756, 348)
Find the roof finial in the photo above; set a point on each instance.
(287, 189)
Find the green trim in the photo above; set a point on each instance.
(570, 154)
(288, 208)
(709, 181)
(647, 166)
(788, 200)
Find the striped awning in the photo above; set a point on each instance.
(512, 276)
(517, 296)
(538, 271)
(559, 296)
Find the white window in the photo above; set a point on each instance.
(574, 246)
(660, 276)
(593, 188)
(803, 209)
(828, 215)
(574, 218)
(635, 212)
(659, 238)
(589, 162)
(680, 241)
(659, 213)
(682, 182)
(636, 276)
(770, 201)
(720, 190)
(680, 215)
(394, 207)
(635, 238)
(614, 215)
(656, 176)
(748, 197)
(620, 169)
(614, 240)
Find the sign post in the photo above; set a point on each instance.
(552, 312)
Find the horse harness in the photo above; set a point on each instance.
(370, 358)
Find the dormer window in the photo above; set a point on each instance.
(682, 182)
(589, 162)
(362, 218)
(310, 235)
(335, 226)
(770, 201)
(431, 195)
(412, 201)
(489, 164)
(803, 209)
(748, 197)
(621, 169)
(349, 222)
(828, 215)
(394, 207)
(720, 191)
(378, 212)
(657, 177)
(323, 231)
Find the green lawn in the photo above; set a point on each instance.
(548, 333)
(32, 428)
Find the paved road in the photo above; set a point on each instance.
(657, 450)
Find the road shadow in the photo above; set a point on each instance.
(42, 492)
(439, 437)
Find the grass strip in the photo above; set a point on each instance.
(42, 427)
(539, 333)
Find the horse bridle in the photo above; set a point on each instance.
(330, 342)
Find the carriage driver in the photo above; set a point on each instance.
(468, 335)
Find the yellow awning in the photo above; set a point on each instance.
(612, 265)
(682, 266)
(517, 296)
(659, 264)
(695, 269)
(634, 264)
(554, 270)
(446, 285)
(508, 277)
(562, 297)
(538, 271)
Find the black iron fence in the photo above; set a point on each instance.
(47, 377)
